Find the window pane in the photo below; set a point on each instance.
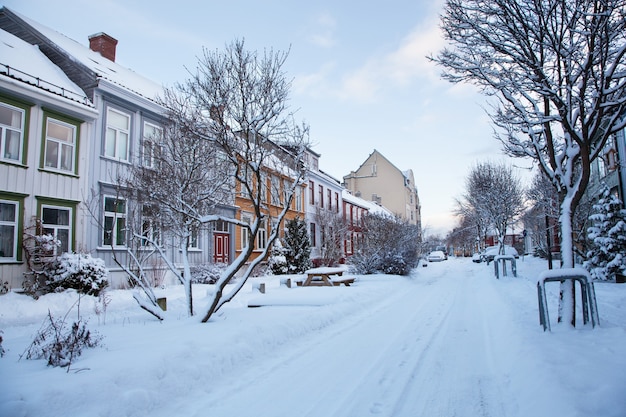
(121, 225)
(53, 216)
(12, 145)
(7, 212)
(52, 154)
(67, 157)
(7, 241)
(122, 143)
(108, 227)
(110, 143)
(64, 236)
(10, 117)
(109, 204)
(118, 120)
(60, 132)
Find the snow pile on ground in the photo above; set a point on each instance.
(449, 339)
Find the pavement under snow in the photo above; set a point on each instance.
(450, 340)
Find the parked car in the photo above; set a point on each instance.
(444, 250)
(477, 257)
(436, 256)
(490, 252)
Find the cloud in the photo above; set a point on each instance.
(401, 67)
(324, 31)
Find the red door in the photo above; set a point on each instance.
(221, 245)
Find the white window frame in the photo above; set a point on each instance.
(261, 236)
(150, 144)
(116, 216)
(61, 146)
(275, 190)
(54, 228)
(150, 227)
(4, 129)
(11, 223)
(245, 233)
(299, 193)
(117, 133)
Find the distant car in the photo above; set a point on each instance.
(436, 256)
(444, 250)
(490, 252)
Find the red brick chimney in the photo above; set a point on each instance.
(104, 44)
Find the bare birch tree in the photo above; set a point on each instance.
(557, 71)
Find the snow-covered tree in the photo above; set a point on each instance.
(277, 262)
(608, 233)
(297, 246)
(181, 177)
(493, 197)
(243, 97)
(391, 246)
(556, 69)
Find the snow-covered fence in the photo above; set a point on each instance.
(588, 294)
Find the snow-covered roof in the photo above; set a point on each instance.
(25, 63)
(103, 67)
(370, 206)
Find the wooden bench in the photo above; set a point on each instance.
(345, 281)
(322, 276)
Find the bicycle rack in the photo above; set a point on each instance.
(504, 258)
(589, 304)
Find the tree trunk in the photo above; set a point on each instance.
(567, 297)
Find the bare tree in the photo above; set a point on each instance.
(181, 177)
(557, 71)
(494, 196)
(243, 97)
(334, 230)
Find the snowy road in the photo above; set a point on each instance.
(450, 340)
(438, 347)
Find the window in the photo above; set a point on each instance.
(60, 145)
(11, 132)
(150, 226)
(312, 237)
(321, 195)
(261, 237)
(298, 192)
(117, 135)
(150, 144)
(56, 221)
(245, 232)
(8, 230)
(114, 222)
(194, 238)
(311, 193)
(263, 179)
(329, 194)
(275, 190)
(337, 202)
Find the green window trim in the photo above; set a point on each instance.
(72, 205)
(76, 123)
(23, 105)
(19, 200)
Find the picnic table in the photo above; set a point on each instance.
(326, 276)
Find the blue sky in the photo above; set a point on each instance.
(360, 76)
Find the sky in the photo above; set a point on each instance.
(360, 77)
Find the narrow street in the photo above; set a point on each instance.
(440, 348)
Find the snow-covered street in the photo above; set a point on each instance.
(450, 340)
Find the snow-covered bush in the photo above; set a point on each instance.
(608, 235)
(79, 271)
(60, 345)
(277, 261)
(207, 273)
(391, 246)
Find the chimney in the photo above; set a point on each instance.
(104, 44)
